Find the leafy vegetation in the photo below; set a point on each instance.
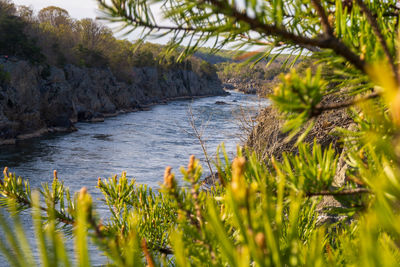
(54, 38)
(245, 72)
(256, 213)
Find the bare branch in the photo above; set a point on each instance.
(199, 137)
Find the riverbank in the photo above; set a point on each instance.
(35, 100)
(141, 143)
(252, 87)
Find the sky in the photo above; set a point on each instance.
(77, 8)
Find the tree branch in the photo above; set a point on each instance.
(199, 136)
(65, 219)
(121, 12)
(329, 42)
(326, 42)
(324, 19)
(375, 27)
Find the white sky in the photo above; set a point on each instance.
(77, 8)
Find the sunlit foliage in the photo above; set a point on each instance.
(256, 213)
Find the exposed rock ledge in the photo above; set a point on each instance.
(36, 101)
(247, 86)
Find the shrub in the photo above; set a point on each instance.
(253, 214)
(4, 76)
(13, 40)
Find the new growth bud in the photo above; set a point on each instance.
(5, 171)
(288, 77)
(85, 199)
(191, 163)
(169, 180)
(277, 90)
(238, 184)
(363, 52)
(260, 240)
(82, 192)
(331, 20)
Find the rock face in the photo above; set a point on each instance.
(247, 86)
(35, 100)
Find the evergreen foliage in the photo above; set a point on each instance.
(257, 213)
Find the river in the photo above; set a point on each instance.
(140, 143)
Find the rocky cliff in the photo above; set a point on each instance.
(36, 99)
(247, 86)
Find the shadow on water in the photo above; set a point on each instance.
(28, 150)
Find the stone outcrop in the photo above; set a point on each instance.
(37, 99)
(268, 141)
(247, 86)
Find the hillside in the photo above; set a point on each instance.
(55, 71)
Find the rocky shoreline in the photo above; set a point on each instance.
(35, 100)
(252, 87)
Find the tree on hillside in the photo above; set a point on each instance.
(92, 34)
(54, 15)
(25, 12)
(258, 213)
(7, 7)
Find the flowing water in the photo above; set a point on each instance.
(140, 143)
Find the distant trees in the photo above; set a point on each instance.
(93, 35)
(7, 7)
(25, 13)
(13, 39)
(244, 71)
(56, 16)
(54, 38)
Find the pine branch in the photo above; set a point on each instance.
(224, 8)
(375, 27)
(329, 42)
(324, 19)
(121, 12)
(60, 216)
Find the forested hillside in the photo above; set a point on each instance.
(55, 71)
(52, 37)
